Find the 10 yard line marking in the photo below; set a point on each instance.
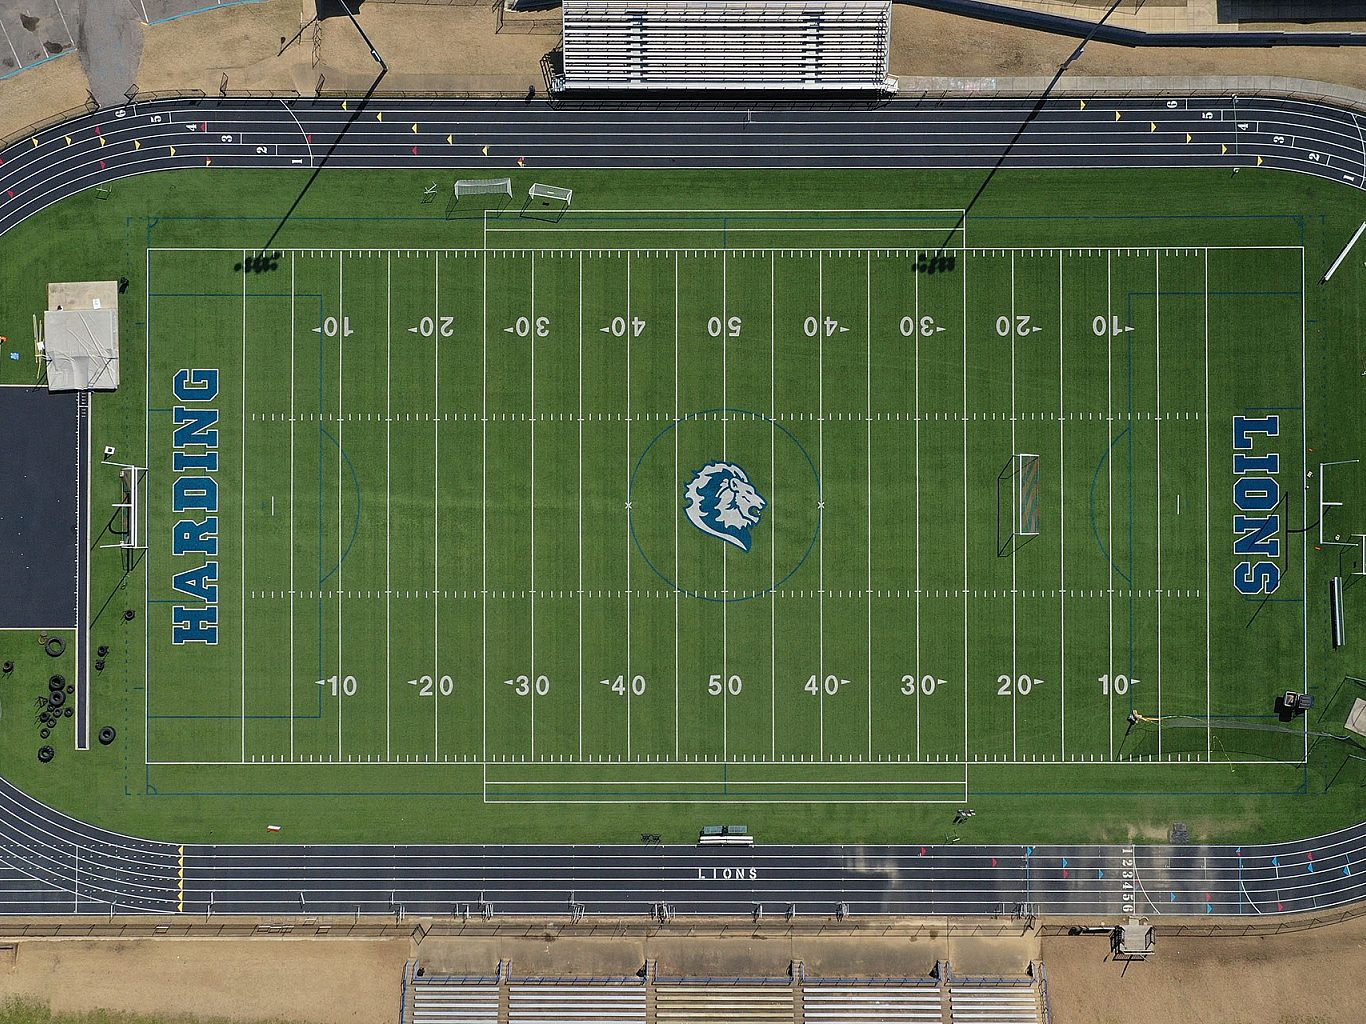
(1110, 476)
(341, 377)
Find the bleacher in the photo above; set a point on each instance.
(650, 999)
(727, 45)
(584, 1003)
(917, 1003)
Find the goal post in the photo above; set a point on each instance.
(483, 187)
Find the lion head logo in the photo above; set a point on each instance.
(721, 502)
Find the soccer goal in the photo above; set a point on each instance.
(128, 522)
(550, 194)
(483, 187)
(1018, 514)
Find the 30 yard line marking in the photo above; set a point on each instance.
(919, 675)
(531, 504)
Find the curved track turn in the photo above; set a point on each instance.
(53, 864)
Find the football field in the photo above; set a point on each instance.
(754, 507)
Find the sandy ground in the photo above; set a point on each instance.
(1311, 977)
(343, 981)
(41, 94)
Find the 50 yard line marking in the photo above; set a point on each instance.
(678, 429)
(1209, 737)
(725, 558)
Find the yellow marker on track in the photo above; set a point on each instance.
(1116, 115)
(414, 127)
(449, 139)
(379, 116)
(34, 140)
(344, 106)
(1223, 148)
(486, 151)
(1259, 161)
(1152, 126)
(172, 151)
(136, 144)
(1189, 137)
(1083, 105)
(68, 139)
(102, 142)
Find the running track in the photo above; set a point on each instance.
(53, 864)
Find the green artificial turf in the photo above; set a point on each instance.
(458, 594)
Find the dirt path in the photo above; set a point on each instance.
(339, 981)
(1310, 977)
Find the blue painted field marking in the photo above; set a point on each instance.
(1173, 897)
(1209, 908)
(1101, 873)
(1275, 862)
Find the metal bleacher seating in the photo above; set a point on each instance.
(994, 1004)
(873, 1004)
(727, 45)
(576, 1004)
(723, 1004)
(447, 1003)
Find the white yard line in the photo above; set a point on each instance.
(484, 509)
(341, 377)
(580, 506)
(678, 429)
(1304, 534)
(1062, 532)
(919, 674)
(532, 506)
(964, 280)
(242, 521)
(388, 503)
(1209, 737)
(820, 462)
(868, 399)
(1157, 345)
(773, 490)
(293, 276)
(629, 679)
(1110, 501)
(1015, 521)
(436, 510)
(725, 558)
